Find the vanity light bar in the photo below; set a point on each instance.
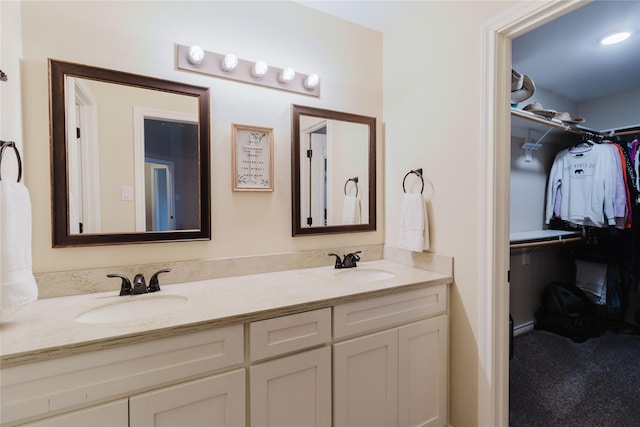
(219, 65)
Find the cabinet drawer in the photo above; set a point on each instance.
(389, 310)
(285, 334)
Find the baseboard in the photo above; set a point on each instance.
(524, 328)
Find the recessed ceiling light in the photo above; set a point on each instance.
(615, 38)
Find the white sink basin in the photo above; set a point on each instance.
(132, 307)
(358, 274)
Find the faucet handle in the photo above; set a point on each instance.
(125, 286)
(350, 259)
(139, 285)
(154, 283)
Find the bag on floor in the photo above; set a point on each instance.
(566, 310)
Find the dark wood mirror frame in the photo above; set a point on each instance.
(61, 237)
(297, 228)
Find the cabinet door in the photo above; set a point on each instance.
(366, 381)
(112, 414)
(423, 373)
(292, 391)
(213, 401)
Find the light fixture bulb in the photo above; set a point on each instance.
(260, 68)
(196, 55)
(230, 62)
(311, 81)
(287, 75)
(615, 38)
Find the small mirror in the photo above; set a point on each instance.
(130, 157)
(334, 176)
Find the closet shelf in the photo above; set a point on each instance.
(579, 130)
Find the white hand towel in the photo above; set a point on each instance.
(17, 284)
(414, 230)
(351, 210)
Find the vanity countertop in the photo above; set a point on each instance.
(47, 328)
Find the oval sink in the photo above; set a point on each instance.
(131, 308)
(363, 274)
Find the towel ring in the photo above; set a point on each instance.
(11, 144)
(355, 180)
(417, 172)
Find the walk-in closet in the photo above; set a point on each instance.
(573, 98)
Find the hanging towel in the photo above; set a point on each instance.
(351, 210)
(17, 284)
(414, 230)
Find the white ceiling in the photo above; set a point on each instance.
(563, 56)
(374, 14)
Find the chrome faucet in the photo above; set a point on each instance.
(139, 283)
(349, 260)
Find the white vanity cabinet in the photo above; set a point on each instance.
(112, 414)
(216, 401)
(394, 375)
(294, 389)
(72, 386)
(368, 359)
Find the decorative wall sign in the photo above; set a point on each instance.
(252, 153)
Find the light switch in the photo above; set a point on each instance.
(127, 192)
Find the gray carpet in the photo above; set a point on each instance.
(557, 382)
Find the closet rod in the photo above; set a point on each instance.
(544, 242)
(627, 132)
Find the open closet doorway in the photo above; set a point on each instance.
(588, 96)
(494, 343)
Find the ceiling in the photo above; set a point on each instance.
(563, 56)
(374, 14)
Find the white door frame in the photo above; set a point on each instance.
(151, 185)
(139, 114)
(493, 338)
(304, 165)
(82, 112)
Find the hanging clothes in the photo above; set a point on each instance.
(586, 186)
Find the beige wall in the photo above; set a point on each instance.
(115, 106)
(10, 100)
(433, 89)
(349, 141)
(140, 37)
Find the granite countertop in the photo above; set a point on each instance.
(48, 328)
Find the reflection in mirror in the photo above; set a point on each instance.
(333, 162)
(129, 156)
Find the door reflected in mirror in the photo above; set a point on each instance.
(334, 171)
(149, 158)
(130, 157)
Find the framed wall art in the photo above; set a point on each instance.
(252, 153)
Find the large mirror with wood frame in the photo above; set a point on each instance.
(129, 157)
(333, 160)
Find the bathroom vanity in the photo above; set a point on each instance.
(317, 346)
